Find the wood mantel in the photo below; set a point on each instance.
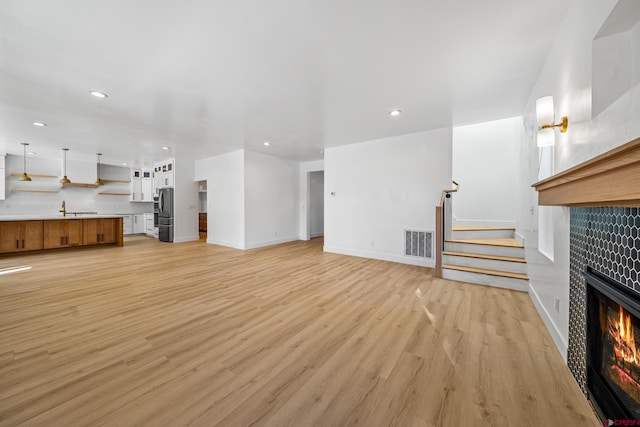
(610, 179)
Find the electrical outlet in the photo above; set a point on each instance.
(557, 305)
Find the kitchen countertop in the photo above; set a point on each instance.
(49, 217)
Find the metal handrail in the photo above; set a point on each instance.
(445, 192)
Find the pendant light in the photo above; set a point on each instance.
(24, 176)
(64, 179)
(99, 181)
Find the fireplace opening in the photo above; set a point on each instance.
(613, 347)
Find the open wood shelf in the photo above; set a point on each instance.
(34, 175)
(113, 193)
(79, 185)
(18, 190)
(123, 181)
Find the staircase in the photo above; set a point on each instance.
(485, 255)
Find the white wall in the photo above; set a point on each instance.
(484, 160)
(567, 76)
(316, 204)
(270, 200)
(303, 195)
(185, 225)
(380, 188)
(635, 56)
(77, 199)
(225, 197)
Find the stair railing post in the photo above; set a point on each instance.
(448, 217)
(439, 241)
(444, 224)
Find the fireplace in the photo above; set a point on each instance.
(603, 194)
(613, 347)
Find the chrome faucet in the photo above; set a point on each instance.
(64, 209)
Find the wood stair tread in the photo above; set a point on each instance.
(487, 271)
(479, 228)
(506, 242)
(482, 256)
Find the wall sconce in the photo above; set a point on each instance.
(546, 116)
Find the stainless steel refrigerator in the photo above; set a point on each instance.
(165, 215)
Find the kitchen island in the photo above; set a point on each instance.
(39, 232)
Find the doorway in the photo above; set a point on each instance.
(315, 212)
(202, 210)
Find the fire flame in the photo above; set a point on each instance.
(626, 339)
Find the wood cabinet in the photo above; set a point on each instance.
(18, 236)
(62, 233)
(33, 235)
(99, 231)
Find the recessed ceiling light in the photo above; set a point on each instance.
(124, 164)
(31, 153)
(395, 113)
(39, 124)
(321, 151)
(165, 148)
(267, 144)
(98, 94)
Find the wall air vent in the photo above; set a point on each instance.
(418, 243)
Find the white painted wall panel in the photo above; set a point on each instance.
(316, 203)
(270, 200)
(225, 197)
(567, 75)
(484, 161)
(376, 189)
(186, 202)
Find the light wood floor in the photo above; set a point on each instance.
(193, 334)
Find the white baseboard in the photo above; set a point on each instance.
(264, 243)
(225, 243)
(558, 339)
(316, 235)
(485, 222)
(519, 237)
(382, 257)
(186, 239)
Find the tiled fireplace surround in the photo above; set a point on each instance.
(608, 240)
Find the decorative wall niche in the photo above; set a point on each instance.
(616, 56)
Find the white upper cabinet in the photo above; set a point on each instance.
(147, 190)
(141, 185)
(163, 175)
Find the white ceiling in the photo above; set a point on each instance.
(206, 77)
